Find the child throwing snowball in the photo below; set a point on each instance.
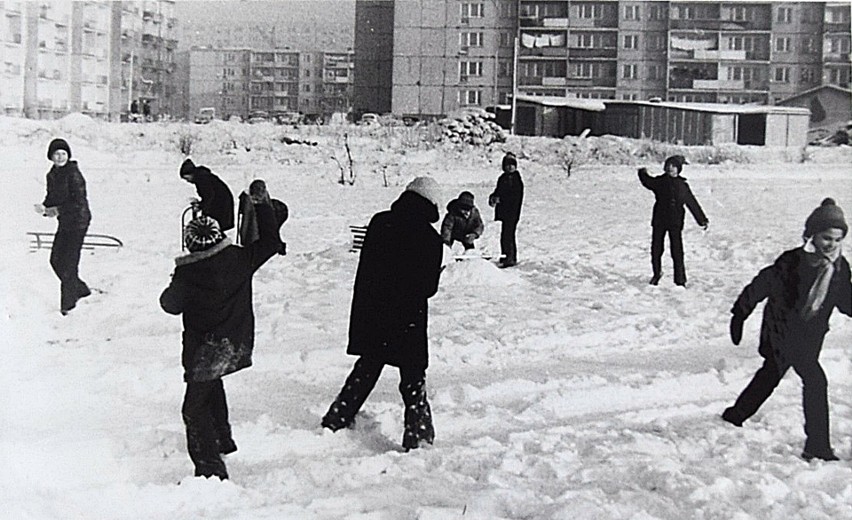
(802, 288)
(671, 193)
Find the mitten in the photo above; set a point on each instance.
(737, 322)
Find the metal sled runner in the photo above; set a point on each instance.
(40, 240)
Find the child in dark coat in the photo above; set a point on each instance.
(506, 200)
(803, 287)
(212, 288)
(671, 193)
(462, 221)
(66, 199)
(217, 201)
(387, 325)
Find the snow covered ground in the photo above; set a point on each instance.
(564, 388)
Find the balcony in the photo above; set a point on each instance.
(593, 53)
(836, 27)
(551, 52)
(836, 57)
(699, 24)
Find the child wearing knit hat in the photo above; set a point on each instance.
(211, 288)
(507, 199)
(66, 199)
(802, 287)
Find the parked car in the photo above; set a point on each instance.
(288, 118)
(258, 116)
(369, 119)
(205, 115)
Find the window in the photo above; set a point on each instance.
(782, 44)
(742, 14)
(741, 43)
(631, 12)
(809, 75)
(504, 69)
(655, 72)
(655, 42)
(630, 71)
(631, 41)
(782, 74)
(585, 40)
(784, 15)
(591, 11)
(629, 97)
(507, 9)
(470, 39)
(656, 12)
(469, 68)
(838, 44)
(809, 46)
(472, 10)
(507, 39)
(470, 97)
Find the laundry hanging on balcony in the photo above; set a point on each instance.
(687, 44)
(542, 40)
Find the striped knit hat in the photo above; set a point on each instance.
(202, 233)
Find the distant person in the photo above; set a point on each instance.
(398, 271)
(212, 288)
(67, 200)
(506, 200)
(247, 232)
(671, 193)
(146, 110)
(134, 110)
(802, 288)
(462, 222)
(216, 199)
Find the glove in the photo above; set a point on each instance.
(737, 328)
(193, 201)
(470, 237)
(51, 212)
(493, 200)
(39, 208)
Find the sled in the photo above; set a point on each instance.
(40, 240)
(358, 235)
(482, 255)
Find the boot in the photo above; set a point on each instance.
(418, 416)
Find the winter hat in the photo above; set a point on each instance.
(187, 167)
(426, 187)
(58, 144)
(508, 159)
(202, 233)
(677, 160)
(465, 200)
(828, 215)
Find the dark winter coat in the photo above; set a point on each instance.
(398, 271)
(248, 232)
(510, 191)
(66, 191)
(213, 291)
(217, 201)
(671, 194)
(456, 227)
(783, 332)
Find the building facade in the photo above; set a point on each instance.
(60, 57)
(435, 56)
(240, 82)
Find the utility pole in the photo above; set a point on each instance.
(514, 86)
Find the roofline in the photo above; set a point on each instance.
(814, 89)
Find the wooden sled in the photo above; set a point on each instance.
(40, 240)
(359, 232)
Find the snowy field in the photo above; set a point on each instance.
(564, 388)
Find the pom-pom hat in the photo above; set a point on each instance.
(465, 200)
(202, 233)
(508, 159)
(828, 215)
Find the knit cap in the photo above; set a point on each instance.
(202, 233)
(465, 200)
(828, 215)
(187, 167)
(58, 144)
(677, 160)
(426, 187)
(508, 159)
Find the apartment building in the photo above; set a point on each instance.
(60, 57)
(442, 55)
(237, 82)
(148, 47)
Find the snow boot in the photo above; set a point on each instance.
(227, 446)
(356, 388)
(418, 416)
(826, 455)
(730, 415)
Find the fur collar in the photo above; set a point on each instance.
(197, 256)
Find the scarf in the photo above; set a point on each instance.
(819, 289)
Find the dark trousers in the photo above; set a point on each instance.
(814, 399)
(508, 246)
(205, 414)
(676, 245)
(359, 384)
(65, 261)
